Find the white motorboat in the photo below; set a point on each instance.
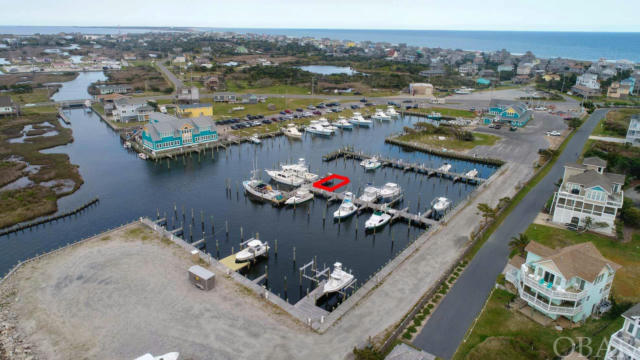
(445, 168)
(255, 248)
(300, 196)
(343, 124)
(360, 121)
(380, 115)
(317, 129)
(370, 164)
(167, 356)
(338, 279)
(347, 208)
(471, 174)
(285, 177)
(300, 170)
(439, 206)
(390, 192)
(371, 194)
(292, 131)
(127, 145)
(463, 91)
(378, 219)
(260, 189)
(391, 111)
(143, 156)
(325, 123)
(255, 139)
(87, 106)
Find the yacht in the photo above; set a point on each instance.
(300, 196)
(167, 356)
(260, 189)
(254, 249)
(439, 206)
(463, 91)
(301, 170)
(255, 139)
(347, 208)
(127, 145)
(434, 116)
(285, 177)
(338, 279)
(87, 106)
(358, 120)
(317, 129)
(471, 174)
(325, 123)
(370, 164)
(380, 115)
(390, 192)
(391, 111)
(143, 156)
(445, 168)
(343, 124)
(292, 131)
(378, 219)
(371, 194)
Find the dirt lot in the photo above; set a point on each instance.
(140, 77)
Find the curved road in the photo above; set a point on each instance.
(447, 326)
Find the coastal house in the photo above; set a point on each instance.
(587, 85)
(624, 344)
(106, 89)
(249, 99)
(212, 83)
(515, 113)
(194, 110)
(617, 90)
(573, 282)
(7, 106)
(225, 97)
(188, 94)
(468, 69)
(631, 82)
(587, 191)
(127, 110)
(165, 132)
(505, 68)
(633, 132)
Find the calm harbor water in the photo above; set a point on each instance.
(328, 69)
(129, 188)
(77, 88)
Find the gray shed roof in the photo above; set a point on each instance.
(591, 178)
(634, 311)
(406, 352)
(595, 161)
(201, 272)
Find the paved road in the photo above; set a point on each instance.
(449, 323)
(177, 83)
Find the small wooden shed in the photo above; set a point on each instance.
(201, 277)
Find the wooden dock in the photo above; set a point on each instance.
(231, 264)
(349, 153)
(63, 117)
(421, 220)
(308, 303)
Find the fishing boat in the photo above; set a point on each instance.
(371, 194)
(315, 128)
(338, 279)
(285, 177)
(471, 174)
(347, 208)
(439, 206)
(360, 121)
(390, 192)
(380, 115)
(292, 131)
(378, 219)
(259, 189)
(301, 170)
(391, 111)
(127, 145)
(300, 196)
(143, 156)
(325, 123)
(255, 248)
(434, 116)
(370, 164)
(255, 139)
(343, 124)
(445, 168)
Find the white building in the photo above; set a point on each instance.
(587, 85)
(7, 107)
(587, 191)
(126, 110)
(633, 133)
(421, 89)
(625, 343)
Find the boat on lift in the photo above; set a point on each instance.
(343, 124)
(440, 205)
(378, 219)
(301, 170)
(391, 111)
(255, 139)
(360, 121)
(338, 279)
(292, 131)
(381, 115)
(347, 208)
(261, 190)
(254, 249)
(370, 194)
(445, 168)
(390, 192)
(285, 177)
(371, 163)
(300, 196)
(471, 174)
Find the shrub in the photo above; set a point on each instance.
(430, 306)
(416, 321)
(412, 329)
(406, 335)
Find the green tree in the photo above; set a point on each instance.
(487, 212)
(519, 243)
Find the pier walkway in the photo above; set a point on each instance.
(308, 303)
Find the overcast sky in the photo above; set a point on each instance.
(538, 15)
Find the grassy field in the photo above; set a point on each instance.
(615, 119)
(224, 110)
(242, 87)
(141, 77)
(37, 79)
(37, 96)
(447, 112)
(449, 142)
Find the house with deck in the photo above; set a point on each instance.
(625, 343)
(573, 282)
(633, 132)
(587, 191)
(165, 132)
(514, 113)
(194, 110)
(128, 109)
(7, 106)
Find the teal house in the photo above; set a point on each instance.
(483, 82)
(513, 112)
(165, 132)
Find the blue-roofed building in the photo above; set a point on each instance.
(165, 132)
(515, 113)
(483, 82)
(631, 82)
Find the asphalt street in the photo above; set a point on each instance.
(447, 326)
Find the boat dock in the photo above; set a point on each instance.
(63, 117)
(349, 153)
(421, 220)
(231, 264)
(308, 303)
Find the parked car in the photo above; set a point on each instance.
(354, 107)
(311, 107)
(553, 133)
(497, 126)
(363, 100)
(287, 111)
(317, 112)
(392, 103)
(513, 128)
(368, 104)
(299, 110)
(407, 101)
